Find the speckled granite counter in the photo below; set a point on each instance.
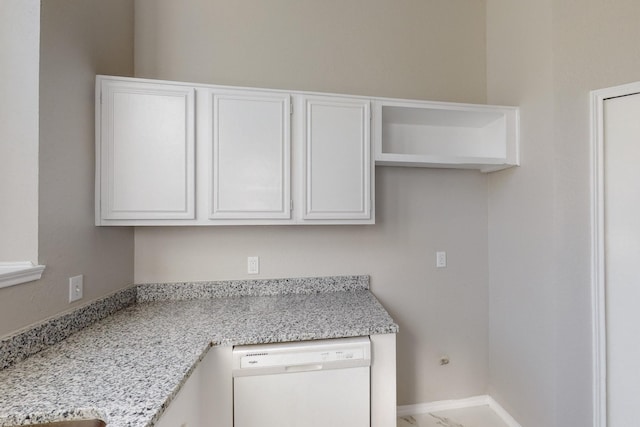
(126, 368)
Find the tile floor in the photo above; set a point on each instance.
(477, 416)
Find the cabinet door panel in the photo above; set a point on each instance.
(250, 156)
(337, 158)
(147, 151)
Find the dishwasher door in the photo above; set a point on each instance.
(304, 384)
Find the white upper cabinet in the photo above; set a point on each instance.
(250, 159)
(172, 153)
(337, 158)
(445, 135)
(145, 151)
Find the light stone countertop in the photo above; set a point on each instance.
(126, 368)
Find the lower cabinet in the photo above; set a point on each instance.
(206, 398)
(383, 380)
(184, 409)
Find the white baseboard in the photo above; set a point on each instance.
(444, 405)
(502, 413)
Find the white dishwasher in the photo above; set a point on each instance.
(322, 383)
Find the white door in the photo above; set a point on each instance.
(146, 151)
(622, 257)
(250, 163)
(337, 158)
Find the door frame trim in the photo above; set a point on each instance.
(598, 314)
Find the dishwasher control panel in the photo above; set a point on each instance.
(305, 355)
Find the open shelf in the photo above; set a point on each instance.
(445, 135)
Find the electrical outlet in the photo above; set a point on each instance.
(75, 288)
(441, 259)
(253, 265)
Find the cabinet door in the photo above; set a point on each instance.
(146, 151)
(250, 172)
(337, 159)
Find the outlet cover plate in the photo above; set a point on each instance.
(253, 265)
(75, 288)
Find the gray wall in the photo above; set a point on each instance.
(79, 38)
(546, 56)
(414, 49)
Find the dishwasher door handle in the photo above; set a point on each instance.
(303, 368)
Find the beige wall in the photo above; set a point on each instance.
(547, 56)
(432, 49)
(596, 47)
(79, 38)
(417, 49)
(521, 216)
(439, 311)
(19, 59)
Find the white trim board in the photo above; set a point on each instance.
(470, 402)
(598, 315)
(14, 273)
